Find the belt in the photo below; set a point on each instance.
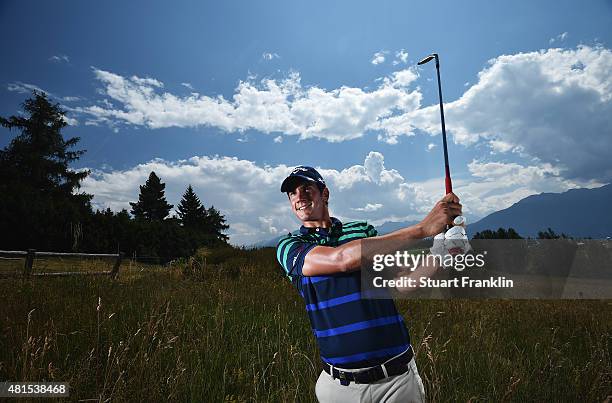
(396, 366)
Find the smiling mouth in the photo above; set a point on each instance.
(305, 206)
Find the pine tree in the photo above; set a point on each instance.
(151, 204)
(191, 212)
(550, 234)
(216, 224)
(39, 155)
(39, 205)
(512, 234)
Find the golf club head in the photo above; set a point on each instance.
(426, 59)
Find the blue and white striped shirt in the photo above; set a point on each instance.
(352, 331)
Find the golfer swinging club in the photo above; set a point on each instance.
(364, 344)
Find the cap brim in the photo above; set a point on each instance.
(290, 182)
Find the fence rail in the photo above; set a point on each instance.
(31, 254)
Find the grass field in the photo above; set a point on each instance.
(229, 327)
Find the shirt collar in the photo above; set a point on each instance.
(336, 225)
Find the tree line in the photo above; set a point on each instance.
(42, 207)
(510, 233)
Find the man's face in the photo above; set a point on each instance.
(308, 202)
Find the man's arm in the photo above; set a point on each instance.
(325, 260)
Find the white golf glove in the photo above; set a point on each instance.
(452, 242)
(456, 241)
(439, 247)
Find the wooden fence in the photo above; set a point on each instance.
(31, 254)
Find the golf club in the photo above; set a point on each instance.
(448, 182)
(459, 221)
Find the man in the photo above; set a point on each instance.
(364, 344)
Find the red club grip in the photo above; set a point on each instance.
(449, 185)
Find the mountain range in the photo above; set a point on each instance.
(579, 213)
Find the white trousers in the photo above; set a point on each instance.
(407, 387)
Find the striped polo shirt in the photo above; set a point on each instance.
(351, 330)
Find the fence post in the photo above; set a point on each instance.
(29, 262)
(115, 272)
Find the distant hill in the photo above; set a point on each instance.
(268, 243)
(578, 212)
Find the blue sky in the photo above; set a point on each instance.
(229, 95)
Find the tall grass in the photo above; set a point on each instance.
(227, 326)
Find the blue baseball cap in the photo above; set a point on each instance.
(302, 173)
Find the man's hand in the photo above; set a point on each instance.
(441, 215)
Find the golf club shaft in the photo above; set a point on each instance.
(447, 180)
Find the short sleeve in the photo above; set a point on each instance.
(360, 228)
(291, 252)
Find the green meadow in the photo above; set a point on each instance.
(227, 326)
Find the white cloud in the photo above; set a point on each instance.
(559, 38)
(430, 146)
(268, 223)
(379, 57)
(270, 56)
(501, 146)
(369, 207)
(401, 78)
(271, 106)
(249, 197)
(374, 166)
(401, 56)
(59, 58)
(553, 105)
(24, 88)
(278, 139)
(71, 121)
(187, 85)
(143, 82)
